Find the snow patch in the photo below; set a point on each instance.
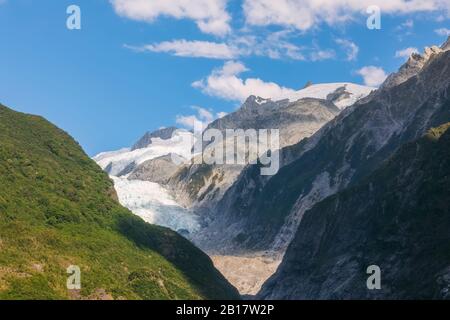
(321, 91)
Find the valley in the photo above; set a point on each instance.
(187, 198)
(252, 150)
(246, 221)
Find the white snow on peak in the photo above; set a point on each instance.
(154, 204)
(116, 161)
(261, 101)
(149, 200)
(321, 91)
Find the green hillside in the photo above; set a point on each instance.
(57, 208)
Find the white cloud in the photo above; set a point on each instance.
(406, 53)
(306, 14)
(408, 24)
(196, 49)
(210, 16)
(202, 116)
(225, 83)
(350, 47)
(274, 45)
(322, 55)
(443, 32)
(373, 76)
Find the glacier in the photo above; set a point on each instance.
(155, 205)
(149, 200)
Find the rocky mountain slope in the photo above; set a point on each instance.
(201, 187)
(57, 208)
(398, 219)
(258, 215)
(204, 185)
(146, 140)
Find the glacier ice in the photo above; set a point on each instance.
(155, 205)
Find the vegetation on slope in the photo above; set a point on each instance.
(57, 208)
(397, 218)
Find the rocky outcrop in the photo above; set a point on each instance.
(257, 214)
(157, 170)
(397, 219)
(202, 186)
(146, 140)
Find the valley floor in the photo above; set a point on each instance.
(246, 273)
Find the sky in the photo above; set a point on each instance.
(138, 65)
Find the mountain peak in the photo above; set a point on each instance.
(446, 45)
(146, 140)
(342, 94)
(414, 64)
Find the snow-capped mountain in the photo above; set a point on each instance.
(297, 117)
(261, 214)
(151, 157)
(342, 94)
(200, 187)
(122, 162)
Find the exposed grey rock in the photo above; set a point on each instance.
(338, 95)
(308, 84)
(414, 64)
(128, 169)
(202, 186)
(446, 45)
(398, 219)
(146, 140)
(157, 170)
(258, 214)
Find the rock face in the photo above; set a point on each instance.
(204, 185)
(398, 219)
(414, 64)
(259, 214)
(146, 140)
(157, 170)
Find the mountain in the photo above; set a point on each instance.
(146, 140)
(58, 208)
(397, 218)
(257, 214)
(341, 94)
(153, 145)
(157, 170)
(202, 186)
(186, 201)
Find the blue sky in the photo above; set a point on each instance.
(137, 65)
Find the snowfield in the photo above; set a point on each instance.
(149, 200)
(321, 91)
(116, 161)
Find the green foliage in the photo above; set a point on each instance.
(57, 208)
